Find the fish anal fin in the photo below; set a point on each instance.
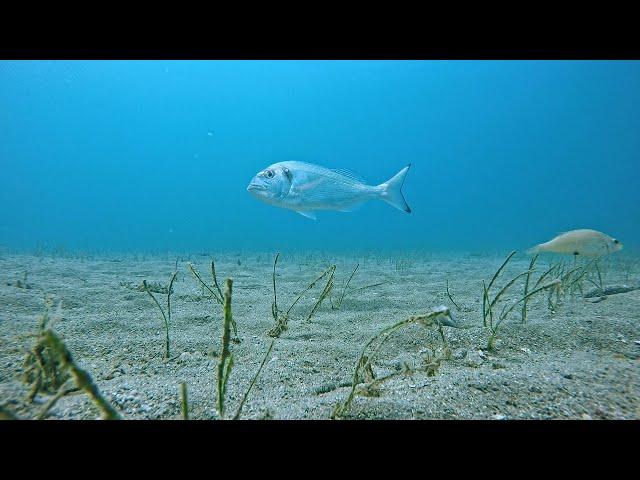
(308, 214)
(351, 208)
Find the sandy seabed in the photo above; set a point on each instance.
(579, 362)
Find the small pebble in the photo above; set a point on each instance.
(459, 355)
(474, 358)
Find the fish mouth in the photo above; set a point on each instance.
(254, 187)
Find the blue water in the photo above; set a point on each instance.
(156, 155)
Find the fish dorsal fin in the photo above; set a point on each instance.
(349, 174)
(308, 214)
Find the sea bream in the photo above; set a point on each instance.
(590, 243)
(306, 188)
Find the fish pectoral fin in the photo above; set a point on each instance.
(307, 214)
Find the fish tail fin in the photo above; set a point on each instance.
(392, 190)
(534, 250)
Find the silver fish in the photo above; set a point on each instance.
(590, 243)
(305, 188)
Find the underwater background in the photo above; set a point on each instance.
(156, 155)
(131, 250)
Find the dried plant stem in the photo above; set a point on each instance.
(551, 284)
(344, 290)
(585, 271)
(526, 288)
(184, 401)
(164, 317)
(225, 363)
(63, 392)
(601, 285)
(364, 362)
(506, 287)
(507, 309)
(82, 378)
(274, 305)
(450, 297)
(253, 381)
(215, 278)
(327, 289)
(488, 305)
(204, 285)
(281, 318)
(173, 278)
(309, 287)
(366, 286)
(485, 304)
(500, 269)
(565, 276)
(217, 296)
(547, 273)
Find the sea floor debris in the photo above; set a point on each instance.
(564, 362)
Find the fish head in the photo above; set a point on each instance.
(271, 184)
(614, 245)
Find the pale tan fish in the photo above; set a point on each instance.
(590, 243)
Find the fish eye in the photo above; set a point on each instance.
(269, 173)
(615, 240)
